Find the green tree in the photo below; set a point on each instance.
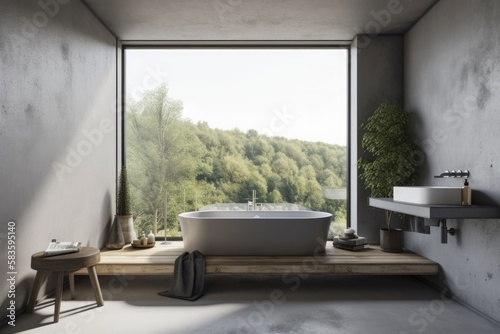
(312, 195)
(162, 152)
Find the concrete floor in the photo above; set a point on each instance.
(236, 304)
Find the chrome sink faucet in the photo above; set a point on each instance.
(454, 173)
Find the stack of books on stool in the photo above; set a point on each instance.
(350, 241)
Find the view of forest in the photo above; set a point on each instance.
(175, 166)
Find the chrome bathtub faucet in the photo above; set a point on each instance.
(252, 205)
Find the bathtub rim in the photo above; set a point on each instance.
(247, 215)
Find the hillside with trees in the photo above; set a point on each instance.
(176, 164)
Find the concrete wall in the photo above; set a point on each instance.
(452, 83)
(57, 131)
(376, 75)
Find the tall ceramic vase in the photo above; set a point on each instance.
(115, 237)
(127, 225)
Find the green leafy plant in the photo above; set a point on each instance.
(390, 154)
(123, 202)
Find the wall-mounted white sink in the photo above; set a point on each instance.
(429, 195)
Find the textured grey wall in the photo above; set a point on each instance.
(452, 83)
(57, 130)
(376, 75)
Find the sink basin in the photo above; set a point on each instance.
(429, 195)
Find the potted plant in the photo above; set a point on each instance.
(389, 161)
(123, 207)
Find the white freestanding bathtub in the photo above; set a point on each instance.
(255, 232)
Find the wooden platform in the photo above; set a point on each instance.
(160, 259)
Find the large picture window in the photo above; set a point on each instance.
(205, 127)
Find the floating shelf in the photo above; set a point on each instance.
(160, 260)
(437, 211)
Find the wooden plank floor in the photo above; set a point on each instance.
(160, 259)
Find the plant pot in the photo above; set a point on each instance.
(391, 240)
(127, 225)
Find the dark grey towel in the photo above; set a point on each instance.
(189, 277)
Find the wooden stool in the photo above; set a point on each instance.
(64, 264)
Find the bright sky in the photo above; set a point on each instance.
(293, 93)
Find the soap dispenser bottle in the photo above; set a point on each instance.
(466, 193)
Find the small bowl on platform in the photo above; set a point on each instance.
(150, 245)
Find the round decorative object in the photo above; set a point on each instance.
(350, 233)
(151, 237)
